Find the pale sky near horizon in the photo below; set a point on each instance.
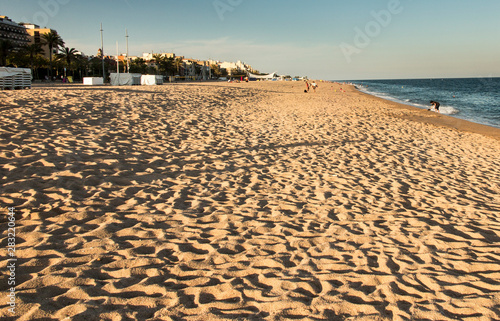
(323, 39)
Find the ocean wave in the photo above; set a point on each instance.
(461, 98)
(448, 110)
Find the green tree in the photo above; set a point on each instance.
(138, 66)
(170, 66)
(234, 72)
(28, 56)
(6, 48)
(67, 55)
(40, 63)
(18, 59)
(94, 67)
(158, 59)
(53, 40)
(32, 51)
(178, 63)
(197, 70)
(165, 65)
(81, 65)
(109, 65)
(216, 71)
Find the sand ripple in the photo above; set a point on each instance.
(251, 202)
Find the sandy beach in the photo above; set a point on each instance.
(248, 201)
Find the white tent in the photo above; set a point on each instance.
(267, 77)
(91, 81)
(125, 79)
(151, 80)
(15, 77)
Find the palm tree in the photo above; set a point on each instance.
(170, 66)
(82, 64)
(138, 65)
(216, 70)
(165, 64)
(32, 51)
(53, 40)
(6, 48)
(157, 58)
(67, 55)
(178, 63)
(39, 61)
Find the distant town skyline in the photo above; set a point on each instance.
(322, 39)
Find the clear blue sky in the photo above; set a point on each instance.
(324, 39)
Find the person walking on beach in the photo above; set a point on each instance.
(307, 86)
(314, 86)
(435, 105)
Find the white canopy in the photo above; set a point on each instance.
(151, 80)
(268, 76)
(125, 79)
(8, 72)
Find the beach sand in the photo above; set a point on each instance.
(250, 201)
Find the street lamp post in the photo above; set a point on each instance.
(102, 58)
(128, 60)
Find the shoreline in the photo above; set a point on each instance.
(448, 121)
(245, 201)
(458, 115)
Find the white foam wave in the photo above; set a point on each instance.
(448, 110)
(419, 105)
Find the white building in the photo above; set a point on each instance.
(150, 56)
(240, 66)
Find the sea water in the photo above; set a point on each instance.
(472, 99)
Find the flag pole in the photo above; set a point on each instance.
(117, 59)
(102, 58)
(128, 60)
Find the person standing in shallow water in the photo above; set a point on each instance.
(435, 105)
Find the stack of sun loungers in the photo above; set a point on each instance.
(13, 78)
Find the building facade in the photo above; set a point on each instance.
(238, 66)
(35, 37)
(9, 30)
(150, 56)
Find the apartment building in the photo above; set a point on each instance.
(9, 30)
(35, 37)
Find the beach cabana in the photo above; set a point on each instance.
(270, 76)
(125, 79)
(91, 81)
(151, 80)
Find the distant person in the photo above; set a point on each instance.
(307, 87)
(434, 105)
(314, 86)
